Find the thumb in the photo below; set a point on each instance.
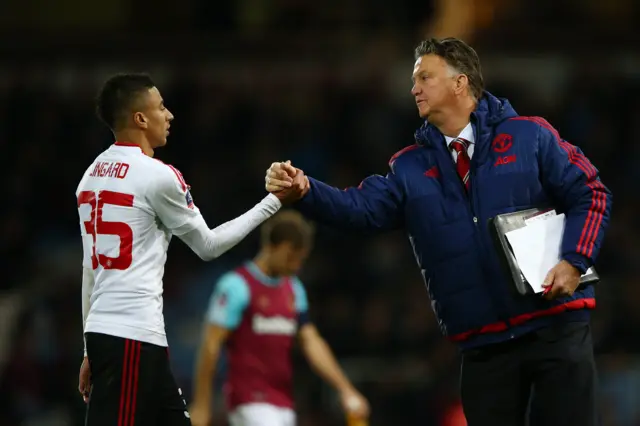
(291, 171)
(548, 280)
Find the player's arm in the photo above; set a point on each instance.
(321, 358)
(88, 283)
(84, 377)
(314, 347)
(226, 308)
(213, 338)
(87, 289)
(88, 279)
(323, 362)
(172, 202)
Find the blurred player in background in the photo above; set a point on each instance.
(256, 311)
(130, 205)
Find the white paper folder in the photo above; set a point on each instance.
(530, 244)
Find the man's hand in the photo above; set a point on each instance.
(84, 380)
(354, 404)
(279, 176)
(561, 281)
(286, 182)
(200, 414)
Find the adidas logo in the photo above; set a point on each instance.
(432, 172)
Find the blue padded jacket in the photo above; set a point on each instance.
(518, 163)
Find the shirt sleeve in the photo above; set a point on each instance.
(228, 301)
(301, 301)
(211, 243)
(171, 199)
(88, 283)
(84, 212)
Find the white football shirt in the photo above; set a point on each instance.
(129, 206)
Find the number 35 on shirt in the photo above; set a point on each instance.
(97, 229)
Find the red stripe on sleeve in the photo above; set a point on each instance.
(183, 183)
(594, 219)
(402, 151)
(180, 178)
(598, 206)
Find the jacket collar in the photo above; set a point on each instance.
(489, 112)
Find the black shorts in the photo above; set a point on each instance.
(132, 384)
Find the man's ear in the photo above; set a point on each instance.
(140, 120)
(461, 84)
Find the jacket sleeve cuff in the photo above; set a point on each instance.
(580, 262)
(306, 203)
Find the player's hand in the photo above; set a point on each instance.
(279, 176)
(200, 414)
(84, 380)
(562, 280)
(354, 404)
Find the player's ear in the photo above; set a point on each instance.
(140, 120)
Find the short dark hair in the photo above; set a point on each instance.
(288, 226)
(118, 94)
(459, 55)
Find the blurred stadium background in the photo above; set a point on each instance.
(325, 84)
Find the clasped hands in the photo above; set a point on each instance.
(286, 182)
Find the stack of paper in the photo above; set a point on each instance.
(537, 246)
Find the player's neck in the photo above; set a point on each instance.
(262, 262)
(136, 138)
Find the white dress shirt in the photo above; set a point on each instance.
(466, 133)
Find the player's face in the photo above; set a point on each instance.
(287, 259)
(433, 85)
(158, 118)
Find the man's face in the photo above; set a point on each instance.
(287, 260)
(157, 118)
(433, 85)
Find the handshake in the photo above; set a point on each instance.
(286, 182)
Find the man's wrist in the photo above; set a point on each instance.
(578, 261)
(272, 202)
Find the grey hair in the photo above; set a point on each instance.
(461, 58)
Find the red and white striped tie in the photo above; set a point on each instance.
(463, 162)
